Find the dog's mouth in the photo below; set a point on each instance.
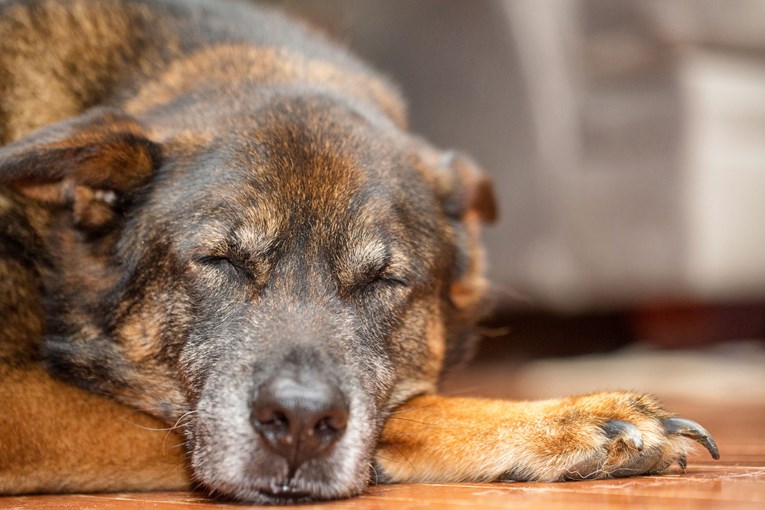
(274, 492)
(264, 494)
(285, 493)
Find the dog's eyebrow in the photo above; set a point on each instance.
(366, 255)
(220, 238)
(249, 241)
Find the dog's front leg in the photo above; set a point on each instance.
(603, 435)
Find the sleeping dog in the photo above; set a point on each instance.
(215, 221)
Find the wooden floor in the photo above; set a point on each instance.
(736, 481)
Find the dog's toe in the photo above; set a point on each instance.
(625, 432)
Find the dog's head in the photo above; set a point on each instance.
(276, 284)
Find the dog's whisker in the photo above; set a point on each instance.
(476, 388)
(399, 434)
(177, 426)
(374, 470)
(409, 420)
(409, 409)
(144, 427)
(178, 422)
(403, 455)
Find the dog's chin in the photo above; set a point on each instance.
(318, 484)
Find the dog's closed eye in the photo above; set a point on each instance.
(385, 277)
(380, 279)
(227, 266)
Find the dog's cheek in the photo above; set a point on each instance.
(211, 346)
(418, 350)
(466, 299)
(148, 320)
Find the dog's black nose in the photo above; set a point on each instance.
(299, 420)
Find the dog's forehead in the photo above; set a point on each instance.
(326, 198)
(304, 169)
(321, 162)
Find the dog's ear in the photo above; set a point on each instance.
(466, 189)
(89, 163)
(467, 198)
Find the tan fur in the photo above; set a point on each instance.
(56, 438)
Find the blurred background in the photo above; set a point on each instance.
(626, 141)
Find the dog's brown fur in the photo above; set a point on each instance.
(196, 200)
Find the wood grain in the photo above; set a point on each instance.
(707, 485)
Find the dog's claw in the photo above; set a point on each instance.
(682, 462)
(627, 432)
(692, 430)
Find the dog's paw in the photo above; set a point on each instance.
(625, 452)
(615, 434)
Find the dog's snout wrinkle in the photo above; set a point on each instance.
(299, 420)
